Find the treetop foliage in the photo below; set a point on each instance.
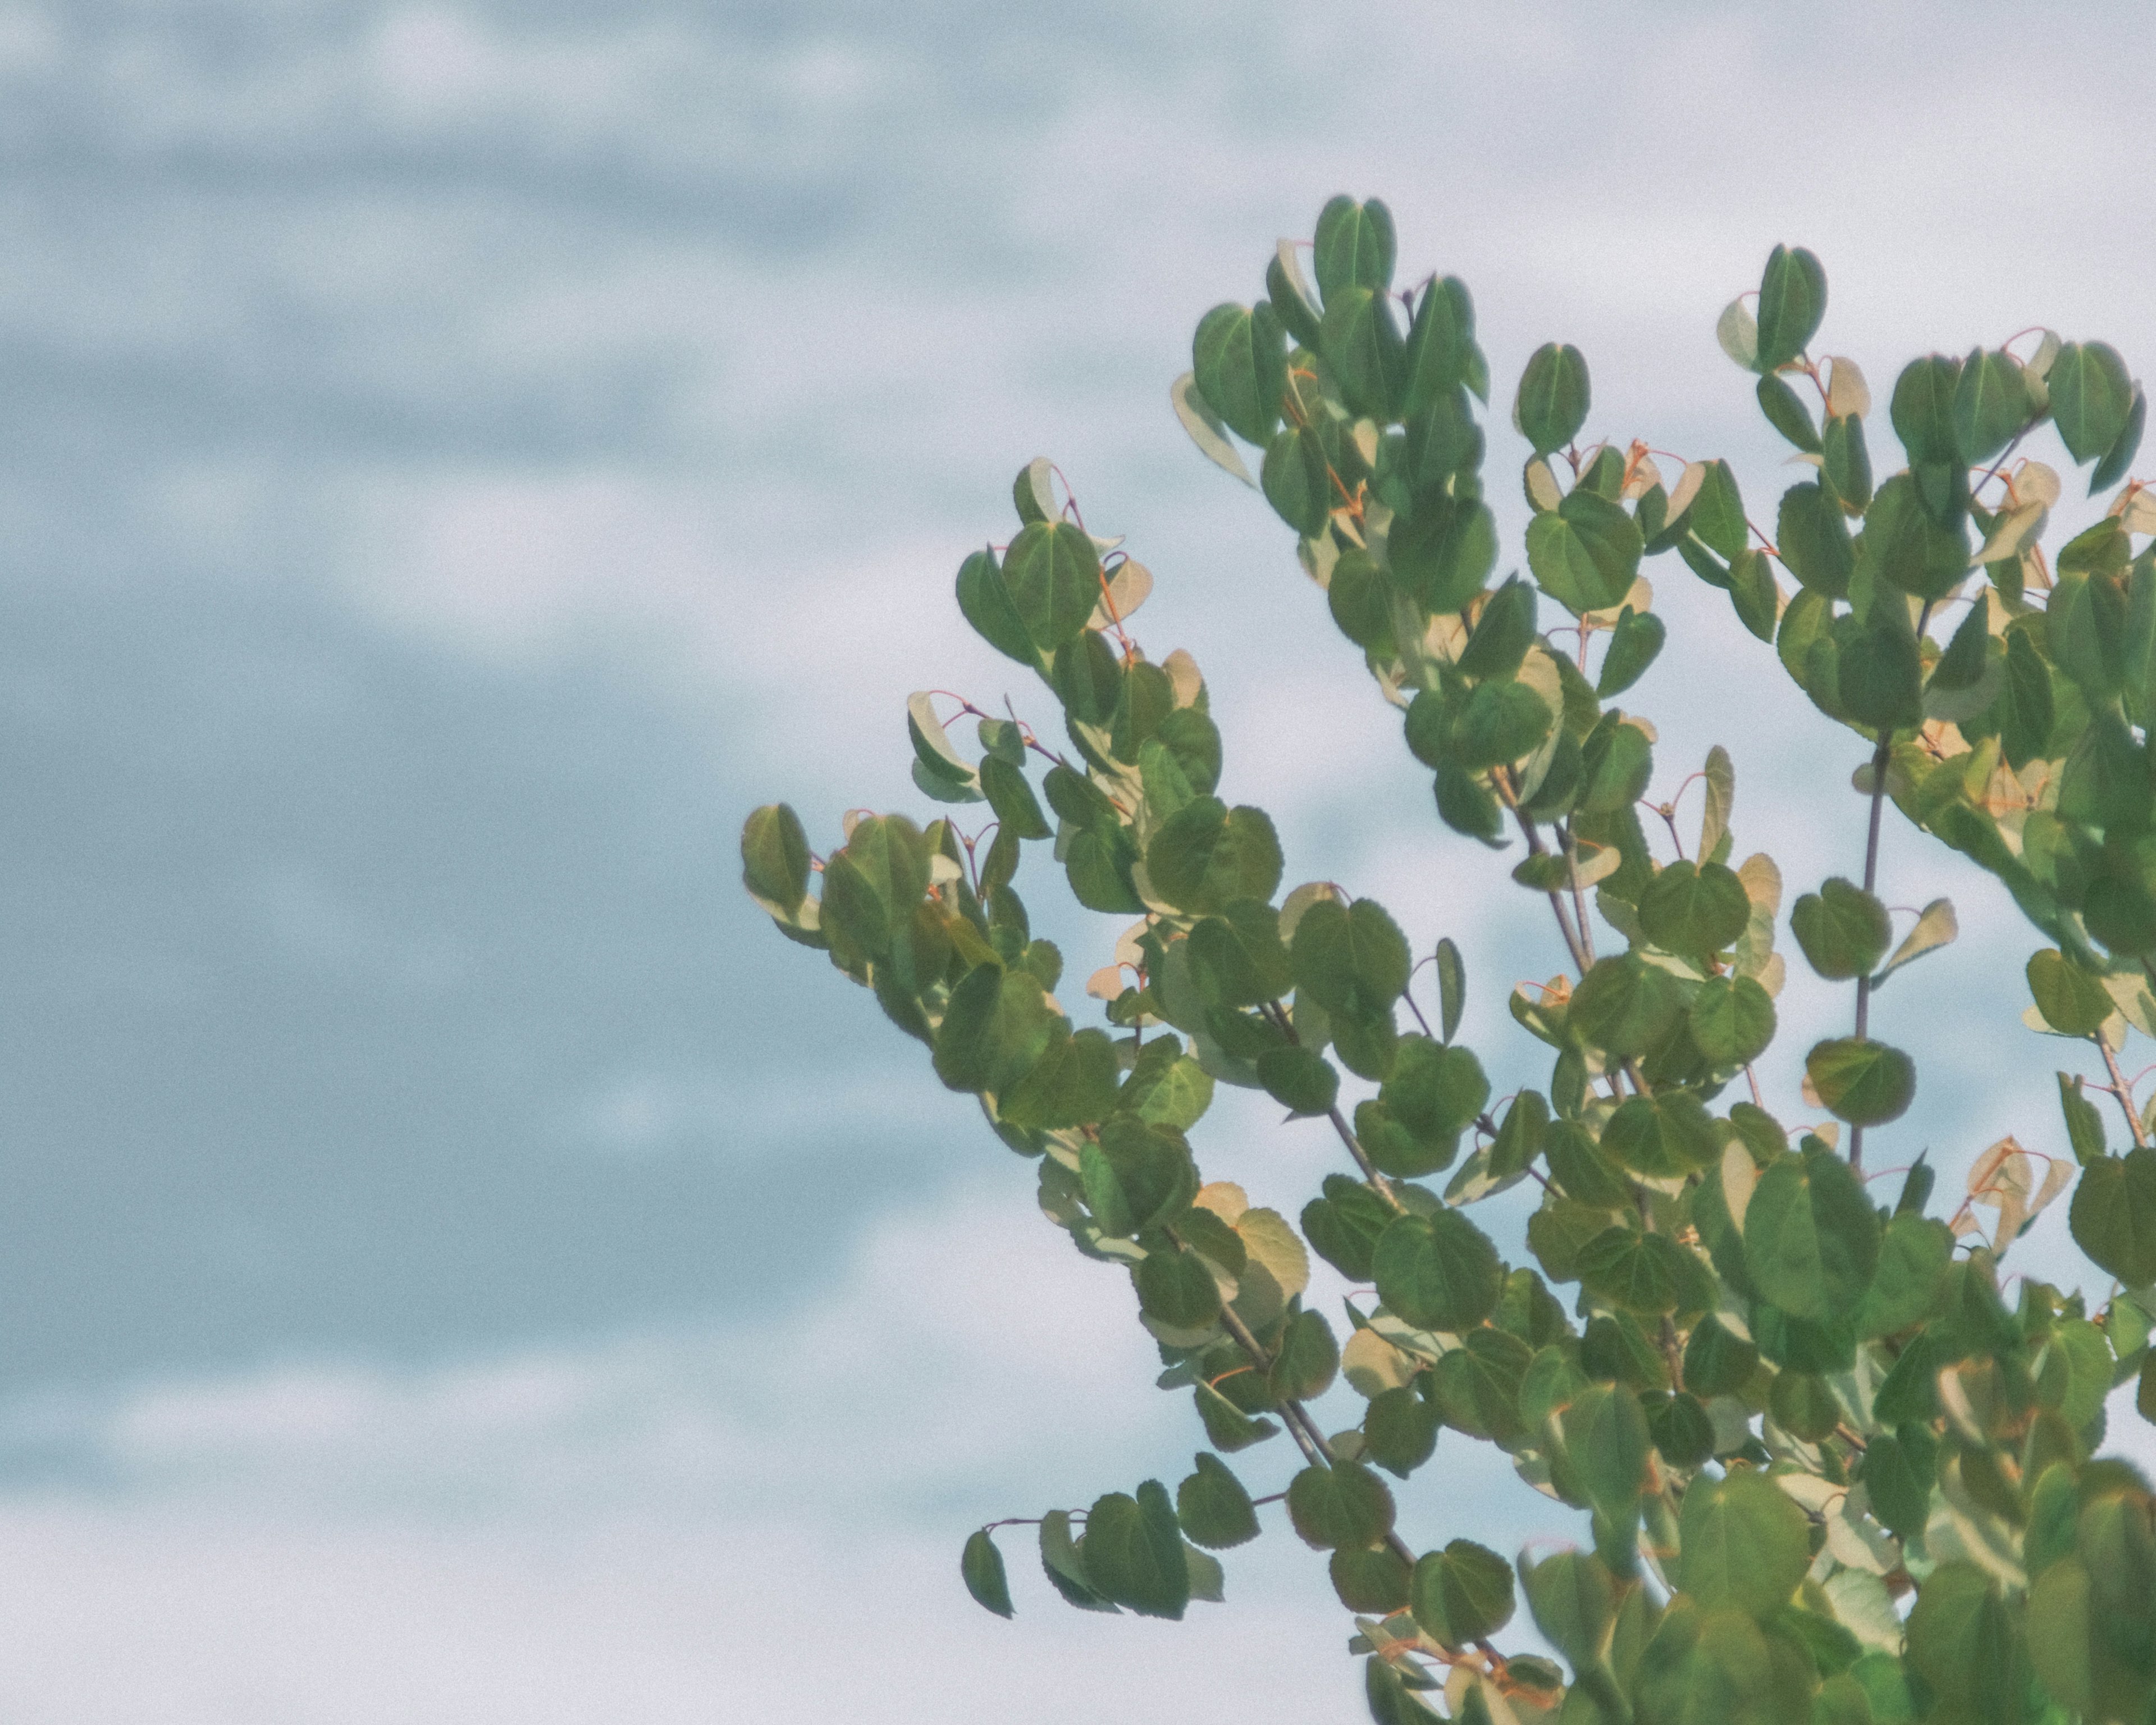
(1834, 1467)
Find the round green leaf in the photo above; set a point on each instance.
(1399, 1430)
(1434, 1091)
(1913, 1255)
(1354, 246)
(1350, 958)
(1864, 1083)
(1072, 1083)
(1360, 346)
(1811, 1237)
(1813, 540)
(1177, 1289)
(1133, 1552)
(1907, 547)
(1443, 550)
(1205, 855)
(1991, 404)
(1462, 1594)
(775, 858)
(1732, 1020)
(1214, 1509)
(1633, 1271)
(2091, 396)
(1922, 409)
(1745, 1543)
(1344, 1224)
(1301, 1080)
(1664, 1135)
(1696, 909)
(1959, 1637)
(2073, 1002)
(1297, 479)
(1439, 1272)
(2113, 1215)
(1553, 398)
(1715, 1361)
(1369, 1579)
(1792, 301)
(1633, 645)
(1605, 1438)
(1239, 358)
(1499, 723)
(1306, 1361)
(1345, 1504)
(1625, 1006)
(1803, 1405)
(1585, 553)
(1681, 1429)
(1053, 575)
(982, 1566)
(1843, 930)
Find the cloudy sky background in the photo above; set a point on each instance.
(460, 1265)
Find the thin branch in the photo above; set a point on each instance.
(1580, 956)
(2122, 1090)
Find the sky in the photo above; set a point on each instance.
(460, 1265)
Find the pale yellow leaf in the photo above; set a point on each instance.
(1688, 483)
(1846, 391)
(1206, 428)
(1301, 900)
(1129, 586)
(1182, 677)
(1372, 1365)
(1541, 485)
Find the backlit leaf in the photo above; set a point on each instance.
(1439, 1272)
(982, 1566)
(1864, 1082)
(1744, 1542)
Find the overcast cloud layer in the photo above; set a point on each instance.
(460, 1265)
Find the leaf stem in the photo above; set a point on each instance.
(1580, 955)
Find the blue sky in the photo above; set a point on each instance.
(460, 1265)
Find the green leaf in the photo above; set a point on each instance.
(1958, 1635)
(1345, 1504)
(1205, 855)
(1434, 1091)
(2084, 1124)
(1991, 403)
(775, 859)
(1787, 413)
(1575, 1604)
(1135, 1175)
(1344, 1225)
(1228, 1428)
(1582, 1170)
(1399, 1430)
(1626, 1006)
(1502, 634)
(1682, 1430)
(1754, 595)
(1072, 1083)
(1732, 1020)
(996, 1025)
(1863, 1082)
(2091, 397)
(1663, 1135)
(1696, 909)
(1897, 1473)
(1553, 396)
(1519, 1136)
(2073, 1002)
(1792, 301)
(1923, 410)
(1361, 347)
(1439, 1272)
(2027, 708)
(1301, 1080)
(1442, 553)
(1843, 930)
(1907, 547)
(982, 1566)
(1802, 1405)
(1633, 1271)
(984, 598)
(1054, 576)
(1616, 762)
(1745, 1543)
(2113, 1215)
(1844, 462)
(1134, 1553)
(1466, 804)
(1354, 246)
(1307, 1359)
(1914, 1252)
(1177, 1289)
(1214, 1509)
(1462, 1594)
(1291, 296)
(2120, 456)
(1499, 722)
(1088, 679)
(1351, 959)
(1369, 1579)
(1633, 645)
(1062, 1560)
(1451, 987)
(1239, 360)
(1606, 1438)
(1476, 1387)
(1438, 346)
(1811, 1237)
(1715, 1361)
(1716, 514)
(1012, 799)
(1814, 540)
(1297, 479)
(1585, 553)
